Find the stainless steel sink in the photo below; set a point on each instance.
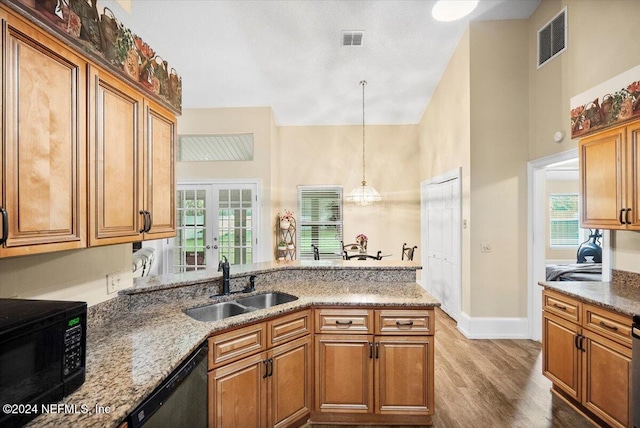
(222, 310)
(217, 311)
(267, 300)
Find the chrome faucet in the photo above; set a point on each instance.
(223, 267)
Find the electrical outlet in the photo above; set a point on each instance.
(115, 282)
(486, 247)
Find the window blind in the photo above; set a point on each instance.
(564, 224)
(320, 221)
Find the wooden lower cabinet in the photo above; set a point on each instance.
(375, 378)
(561, 355)
(269, 389)
(606, 374)
(589, 365)
(344, 373)
(403, 367)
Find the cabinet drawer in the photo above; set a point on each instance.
(562, 305)
(348, 321)
(405, 321)
(233, 345)
(289, 327)
(608, 324)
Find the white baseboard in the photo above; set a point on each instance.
(493, 328)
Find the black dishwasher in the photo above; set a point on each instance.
(180, 400)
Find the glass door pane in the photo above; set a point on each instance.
(199, 243)
(236, 222)
(191, 242)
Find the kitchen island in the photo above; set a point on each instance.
(137, 339)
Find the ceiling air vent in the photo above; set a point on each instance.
(352, 38)
(552, 38)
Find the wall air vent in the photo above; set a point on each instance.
(552, 38)
(352, 38)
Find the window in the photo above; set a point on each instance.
(320, 224)
(564, 224)
(203, 148)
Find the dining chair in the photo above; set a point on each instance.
(378, 256)
(408, 251)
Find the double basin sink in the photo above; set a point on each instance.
(222, 310)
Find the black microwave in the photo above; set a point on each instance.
(42, 355)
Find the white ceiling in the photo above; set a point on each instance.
(288, 54)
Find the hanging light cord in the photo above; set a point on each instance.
(363, 83)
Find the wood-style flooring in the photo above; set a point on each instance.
(493, 383)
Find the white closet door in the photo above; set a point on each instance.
(442, 218)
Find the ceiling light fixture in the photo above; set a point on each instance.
(363, 194)
(450, 10)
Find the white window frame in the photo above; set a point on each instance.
(581, 232)
(300, 224)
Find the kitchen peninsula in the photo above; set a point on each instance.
(136, 339)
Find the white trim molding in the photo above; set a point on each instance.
(493, 327)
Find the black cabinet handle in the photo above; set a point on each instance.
(266, 369)
(377, 350)
(370, 349)
(150, 223)
(575, 341)
(338, 322)
(582, 347)
(620, 216)
(404, 323)
(626, 217)
(610, 327)
(271, 363)
(5, 226)
(144, 221)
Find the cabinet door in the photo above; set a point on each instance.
(633, 175)
(560, 355)
(290, 383)
(44, 140)
(404, 375)
(238, 393)
(607, 380)
(344, 373)
(159, 173)
(115, 167)
(602, 179)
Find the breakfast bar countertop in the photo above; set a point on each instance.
(130, 352)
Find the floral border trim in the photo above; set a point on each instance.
(103, 35)
(610, 109)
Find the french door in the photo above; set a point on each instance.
(215, 220)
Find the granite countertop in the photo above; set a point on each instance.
(619, 296)
(130, 355)
(160, 282)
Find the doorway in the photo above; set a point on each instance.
(541, 173)
(441, 207)
(215, 219)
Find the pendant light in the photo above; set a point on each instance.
(363, 194)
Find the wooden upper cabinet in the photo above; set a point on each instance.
(132, 181)
(602, 179)
(633, 175)
(609, 167)
(159, 172)
(44, 140)
(115, 167)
